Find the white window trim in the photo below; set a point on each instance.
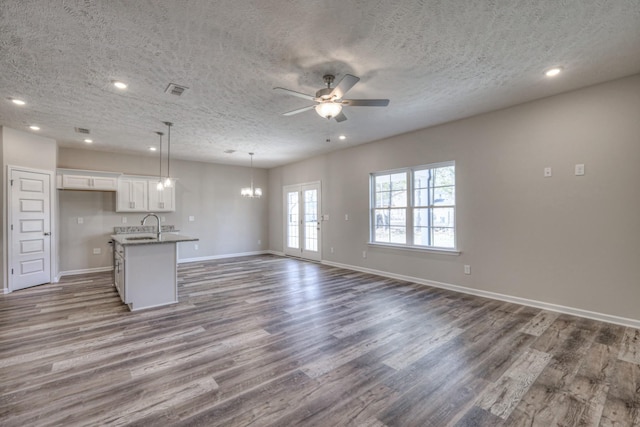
(410, 206)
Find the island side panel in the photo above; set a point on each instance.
(151, 275)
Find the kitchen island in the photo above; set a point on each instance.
(145, 268)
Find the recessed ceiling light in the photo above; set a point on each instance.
(152, 148)
(88, 141)
(18, 101)
(34, 127)
(119, 84)
(553, 71)
(342, 137)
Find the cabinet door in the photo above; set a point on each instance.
(132, 195)
(104, 183)
(89, 182)
(76, 181)
(161, 200)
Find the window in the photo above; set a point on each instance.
(414, 207)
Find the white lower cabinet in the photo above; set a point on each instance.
(146, 276)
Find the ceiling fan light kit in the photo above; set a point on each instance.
(330, 100)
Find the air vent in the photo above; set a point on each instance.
(174, 89)
(83, 130)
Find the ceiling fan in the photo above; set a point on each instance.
(329, 100)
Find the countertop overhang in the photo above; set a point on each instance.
(151, 239)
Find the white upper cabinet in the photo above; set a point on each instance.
(133, 195)
(141, 194)
(161, 200)
(70, 179)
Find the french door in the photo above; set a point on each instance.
(302, 237)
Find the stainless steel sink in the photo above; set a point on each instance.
(141, 238)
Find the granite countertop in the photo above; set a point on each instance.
(151, 239)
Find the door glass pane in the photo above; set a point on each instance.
(311, 220)
(293, 229)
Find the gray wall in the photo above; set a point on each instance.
(225, 222)
(27, 150)
(567, 240)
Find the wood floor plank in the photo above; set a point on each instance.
(274, 341)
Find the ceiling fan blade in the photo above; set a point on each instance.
(299, 110)
(340, 117)
(347, 82)
(294, 93)
(366, 102)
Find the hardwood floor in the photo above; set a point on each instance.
(271, 341)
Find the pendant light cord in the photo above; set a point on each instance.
(169, 124)
(160, 171)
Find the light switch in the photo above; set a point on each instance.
(579, 169)
(124, 219)
(80, 220)
(192, 218)
(547, 172)
(97, 251)
(346, 217)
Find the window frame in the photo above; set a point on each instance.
(410, 209)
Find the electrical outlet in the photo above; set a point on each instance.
(579, 169)
(192, 218)
(364, 254)
(547, 172)
(97, 251)
(467, 269)
(162, 219)
(346, 217)
(331, 249)
(80, 220)
(195, 246)
(124, 219)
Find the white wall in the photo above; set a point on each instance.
(567, 240)
(26, 150)
(225, 222)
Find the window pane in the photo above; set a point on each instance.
(421, 236)
(399, 199)
(445, 176)
(444, 237)
(381, 218)
(397, 217)
(421, 217)
(399, 181)
(383, 199)
(398, 235)
(421, 178)
(293, 235)
(444, 196)
(383, 183)
(443, 217)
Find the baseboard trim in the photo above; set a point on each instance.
(278, 253)
(82, 271)
(623, 321)
(223, 256)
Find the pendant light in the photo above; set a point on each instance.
(168, 183)
(160, 186)
(251, 192)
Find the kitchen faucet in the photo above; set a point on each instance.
(157, 219)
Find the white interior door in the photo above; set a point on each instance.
(302, 221)
(30, 228)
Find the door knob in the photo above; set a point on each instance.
(47, 234)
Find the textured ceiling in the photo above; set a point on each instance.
(436, 61)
